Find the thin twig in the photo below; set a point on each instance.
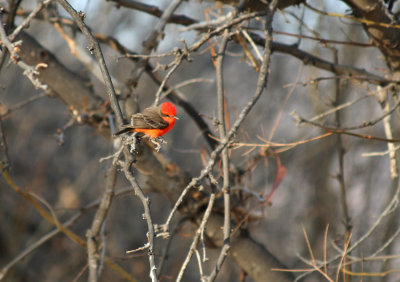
(232, 22)
(341, 131)
(95, 48)
(5, 159)
(152, 41)
(199, 263)
(357, 19)
(225, 157)
(150, 56)
(387, 211)
(84, 57)
(340, 107)
(24, 103)
(177, 62)
(196, 237)
(384, 101)
(250, 40)
(380, 154)
(165, 251)
(387, 243)
(28, 19)
(155, 11)
(13, 48)
(324, 41)
(183, 84)
(308, 59)
(386, 113)
(206, 25)
(147, 216)
(341, 151)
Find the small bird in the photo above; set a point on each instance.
(153, 122)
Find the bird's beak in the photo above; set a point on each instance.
(175, 117)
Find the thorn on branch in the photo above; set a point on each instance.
(216, 122)
(299, 120)
(41, 66)
(91, 49)
(82, 15)
(162, 231)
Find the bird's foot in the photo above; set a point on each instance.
(157, 142)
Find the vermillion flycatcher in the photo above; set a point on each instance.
(153, 121)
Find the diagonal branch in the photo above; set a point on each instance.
(386, 39)
(95, 48)
(154, 10)
(308, 59)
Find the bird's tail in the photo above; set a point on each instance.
(123, 131)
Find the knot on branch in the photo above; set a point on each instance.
(162, 231)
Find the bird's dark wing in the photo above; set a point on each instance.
(150, 118)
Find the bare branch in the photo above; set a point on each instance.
(308, 59)
(28, 19)
(181, 55)
(154, 10)
(147, 216)
(152, 41)
(95, 48)
(196, 238)
(226, 189)
(14, 49)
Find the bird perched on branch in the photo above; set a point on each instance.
(153, 122)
